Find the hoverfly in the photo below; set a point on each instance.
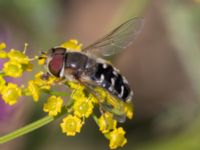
(92, 71)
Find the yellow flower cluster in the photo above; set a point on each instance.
(80, 105)
(38, 84)
(83, 107)
(17, 62)
(108, 126)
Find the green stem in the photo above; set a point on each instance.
(26, 129)
(95, 119)
(56, 93)
(30, 127)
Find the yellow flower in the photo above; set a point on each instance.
(34, 90)
(3, 54)
(2, 46)
(28, 67)
(2, 83)
(71, 125)
(106, 122)
(42, 60)
(39, 81)
(39, 75)
(77, 90)
(129, 110)
(83, 107)
(18, 56)
(11, 93)
(44, 84)
(92, 98)
(117, 138)
(51, 80)
(72, 45)
(78, 95)
(53, 105)
(13, 69)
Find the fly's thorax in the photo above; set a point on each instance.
(75, 63)
(75, 60)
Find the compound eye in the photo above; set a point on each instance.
(56, 64)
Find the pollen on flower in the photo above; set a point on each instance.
(129, 110)
(72, 45)
(28, 67)
(38, 84)
(2, 83)
(38, 75)
(93, 99)
(106, 122)
(34, 90)
(18, 56)
(53, 105)
(117, 138)
(11, 93)
(3, 54)
(78, 94)
(71, 125)
(42, 60)
(43, 84)
(77, 90)
(83, 107)
(13, 69)
(2, 46)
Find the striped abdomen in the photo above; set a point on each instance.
(107, 77)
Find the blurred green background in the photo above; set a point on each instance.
(162, 66)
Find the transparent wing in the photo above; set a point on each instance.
(115, 106)
(116, 40)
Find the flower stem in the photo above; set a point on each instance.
(26, 129)
(95, 119)
(30, 127)
(56, 93)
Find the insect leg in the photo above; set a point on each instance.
(45, 76)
